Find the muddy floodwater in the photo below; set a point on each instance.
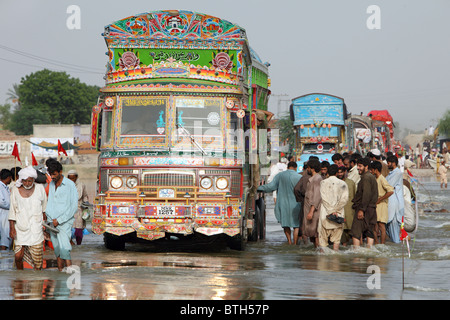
(268, 269)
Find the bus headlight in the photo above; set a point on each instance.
(222, 183)
(116, 182)
(132, 182)
(206, 183)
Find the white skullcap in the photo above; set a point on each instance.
(25, 173)
(376, 152)
(72, 172)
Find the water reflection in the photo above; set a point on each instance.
(38, 289)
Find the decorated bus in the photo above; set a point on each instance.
(177, 126)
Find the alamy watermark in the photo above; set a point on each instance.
(373, 22)
(374, 281)
(73, 21)
(74, 280)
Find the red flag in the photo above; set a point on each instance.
(409, 173)
(33, 160)
(403, 233)
(61, 149)
(15, 152)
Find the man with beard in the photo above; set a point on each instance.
(334, 194)
(352, 168)
(312, 203)
(28, 203)
(365, 203)
(385, 190)
(396, 203)
(375, 155)
(61, 207)
(349, 212)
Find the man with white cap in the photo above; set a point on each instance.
(375, 155)
(26, 214)
(79, 224)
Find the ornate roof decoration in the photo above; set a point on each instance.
(174, 24)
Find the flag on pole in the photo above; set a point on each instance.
(404, 236)
(61, 149)
(409, 173)
(33, 160)
(15, 152)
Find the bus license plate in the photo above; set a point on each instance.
(166, 211)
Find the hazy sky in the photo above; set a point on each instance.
(313, 46)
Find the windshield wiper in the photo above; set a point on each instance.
(192, 139)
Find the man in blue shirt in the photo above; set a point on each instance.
(396, 202)
(287, 209)
(5, 180)
(61, 207)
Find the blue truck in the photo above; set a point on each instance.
(319, 124)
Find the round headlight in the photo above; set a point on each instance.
(132, 182)
(116, 182)
(206, 183)
(222, 183)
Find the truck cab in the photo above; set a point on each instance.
(319, 124)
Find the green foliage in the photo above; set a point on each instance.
(444, 124)
(286, 127)
(21, 122)
(51, 97)
(5, 115)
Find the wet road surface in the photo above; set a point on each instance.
(269, 269)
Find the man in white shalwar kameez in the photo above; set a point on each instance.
(26, 214)
(334, 193)
(396, 202)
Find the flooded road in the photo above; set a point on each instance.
(269, 269)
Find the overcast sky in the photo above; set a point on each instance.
(313, 46)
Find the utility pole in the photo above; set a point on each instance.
(280, 99)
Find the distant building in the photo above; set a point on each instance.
(79, 132)
(75, 134)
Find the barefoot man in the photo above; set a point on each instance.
(287, 209)
(61, 207)
(28, 203)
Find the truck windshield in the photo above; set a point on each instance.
(314, 148)
(202, 118)
(144, 118)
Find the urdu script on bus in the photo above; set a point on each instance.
(143, 102)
